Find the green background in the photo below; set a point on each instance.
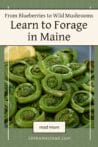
(19, 137)
(49, 3)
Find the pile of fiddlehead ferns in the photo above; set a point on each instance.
(52, 86)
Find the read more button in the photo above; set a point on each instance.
(49, 127)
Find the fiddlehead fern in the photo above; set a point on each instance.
(33, 72)
(16, 71)
(35, 105)
(51, 60)
(61, 70)
(69, 86)
(28, 92)
(80, 99)
(69, 116)
(52, 83)
(24, 117)
(77, 68)
(50, 103)
(69, 53)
